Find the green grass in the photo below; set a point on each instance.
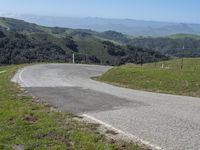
(32, 125)
(183, 36)
(151, 77)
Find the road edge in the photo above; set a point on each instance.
(128, 135)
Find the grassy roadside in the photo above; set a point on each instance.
(152, 77)
(27, 124)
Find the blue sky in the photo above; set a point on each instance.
(157, 10)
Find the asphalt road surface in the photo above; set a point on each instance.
(159, 120)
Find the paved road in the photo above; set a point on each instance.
(166, 121)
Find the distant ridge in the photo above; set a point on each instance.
(126, 26)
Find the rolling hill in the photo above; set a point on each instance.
(109, 47)
(23, 42)
(170, 46)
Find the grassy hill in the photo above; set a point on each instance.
(23, 42)
(183, 36)
(152, 77)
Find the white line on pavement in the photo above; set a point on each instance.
(131, 136)
(20, 78)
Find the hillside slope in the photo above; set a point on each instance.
(183, 36)
(152, 77)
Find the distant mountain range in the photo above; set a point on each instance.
(126, 26)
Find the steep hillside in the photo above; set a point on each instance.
(18, 25)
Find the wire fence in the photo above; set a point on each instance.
(178, 65)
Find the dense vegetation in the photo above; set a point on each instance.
(164, 77)
(22, 42)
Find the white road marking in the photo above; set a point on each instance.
(2, 71)
(131, 136)
(20, 78)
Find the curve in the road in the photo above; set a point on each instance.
(171, 122)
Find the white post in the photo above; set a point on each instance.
(73, 58)
(182, 56)
(162, 66)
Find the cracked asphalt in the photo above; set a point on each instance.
(167, 121)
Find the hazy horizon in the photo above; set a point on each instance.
(19, 16)
(175, 11)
